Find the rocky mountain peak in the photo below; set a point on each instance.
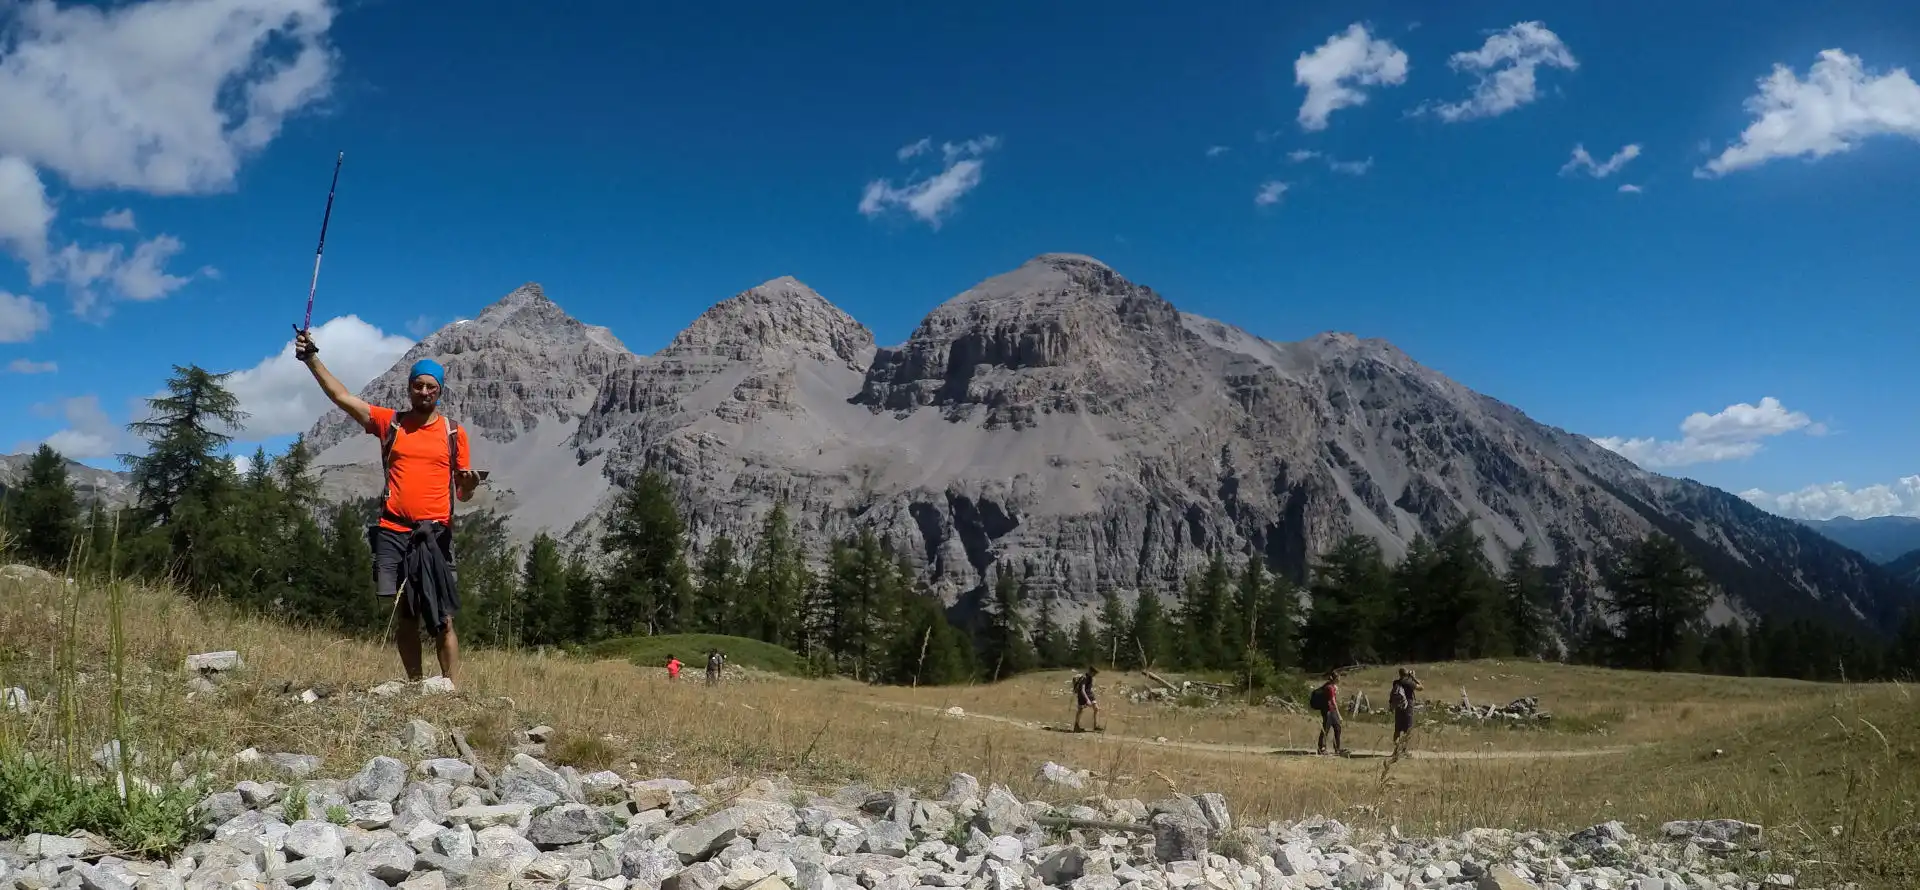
(782, 314)
(523, 360)
(1061, 333)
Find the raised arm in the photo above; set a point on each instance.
(309, 354)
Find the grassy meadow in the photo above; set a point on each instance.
(1832, 771)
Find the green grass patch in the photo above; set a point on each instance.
(692, 649)
(37, 796)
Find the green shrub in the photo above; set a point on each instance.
(39, 797)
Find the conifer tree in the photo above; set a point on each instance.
(1116, 631)
(188, 426)
(1007, 649)
(43, 511)
(648, 577)
(1086, 646)
(582, 624)
(718, 599)
(861, 604)
(1659, 598)
(1526, 593)
(1051, 646)
(1350, 588)
(1151, 636)
(543, 583)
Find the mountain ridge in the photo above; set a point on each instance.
(1078, 426)
(1882, 539)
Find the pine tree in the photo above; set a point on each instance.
(344, 597)
(1007, 650)
(1526, 593)
(1659, 598)
(43, 512)
(183, 435)
(1278, 636)
(543, 583)
(718, 600)
(1151, 636)
(1207, 616)
(582, 624)
(776, 582)
(860, 605)
(1471, 617)
(1116, 629)
(1903, 659)
(927, 650)
(1051, 646)
(648, 578)
(491, 611)
(1350, 588)
(1086, 646)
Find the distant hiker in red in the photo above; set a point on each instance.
(673, 668)
(1326, 700)
(427, 465)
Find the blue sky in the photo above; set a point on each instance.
(643, 163)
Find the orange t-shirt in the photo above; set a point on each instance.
(418, 481)
(673, 668)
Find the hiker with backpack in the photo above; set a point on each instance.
(427, 464)
(1083, 698)
(1400, 701)
(714, 662)
(1326, 700)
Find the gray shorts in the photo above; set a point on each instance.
(390, 556)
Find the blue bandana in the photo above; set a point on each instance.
(430, 368)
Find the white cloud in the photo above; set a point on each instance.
(1333, 73)
(139, 276)
(1901, 498)
(1600, 171)
(1631, 189)
(165, 96)
(1214, 151)
(1350, 168)
(932, 198)
(420, 327)
(21, 318)
(1838, 105)
(279, 393)
(25, 214)
(89, 433)
(1269, 193)
(909, 152)
(1504, 67)
(1733, 433)
(117, 220)
(27, 366)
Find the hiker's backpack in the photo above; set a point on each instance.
(453, 466)
(1397, 699)
(1318, 700)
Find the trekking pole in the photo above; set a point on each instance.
(324, 218)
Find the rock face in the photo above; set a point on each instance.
(520, 377)
(1061, 419)
(107, 488)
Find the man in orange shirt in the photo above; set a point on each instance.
(427, 466)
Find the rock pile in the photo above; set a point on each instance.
(1527, 708)
(438, 824)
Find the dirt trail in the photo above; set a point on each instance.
(1225, 748)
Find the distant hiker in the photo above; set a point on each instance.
(1400, 700)
(673, 668)
(714, 662)
(1083, 698)
(427, 465)
(1326, 700)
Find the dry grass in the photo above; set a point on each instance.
(1831, 770)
